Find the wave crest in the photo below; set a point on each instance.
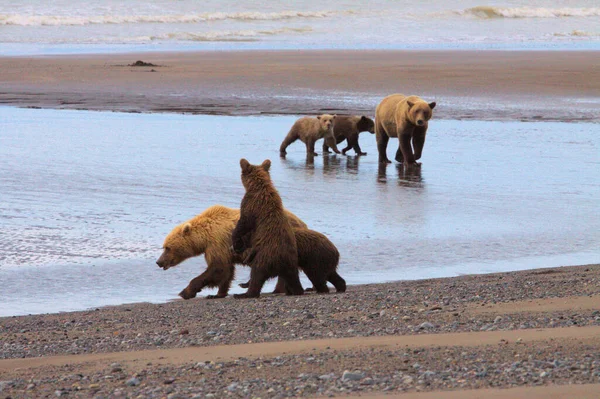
(487, 12)
(233, 36)
(56, 20)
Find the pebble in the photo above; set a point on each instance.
(352, 376)
(426, 325)
(132, 382)
(232, 387)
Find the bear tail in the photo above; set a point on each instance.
(338, 282)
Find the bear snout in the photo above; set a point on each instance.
(420, 122)
(162, 264)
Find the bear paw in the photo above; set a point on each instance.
(243, 296)
(215, 296)
(187, 294)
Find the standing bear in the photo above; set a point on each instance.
(264, 227)
(209, 233)
(309, 130)
(405, 118)
(348, 128)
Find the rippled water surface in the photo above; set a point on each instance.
(86, 199)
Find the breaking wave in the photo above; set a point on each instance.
(54, 20)
(578, 33)
(486, 12)
(217, 36)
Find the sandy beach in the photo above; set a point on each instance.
(484, 85)
(504, 335)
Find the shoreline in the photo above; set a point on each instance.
(525, 85)
(461, 334)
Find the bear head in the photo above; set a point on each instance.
(254, 173)
(178, 246)
(326, 121)
(419, 112)
(366, 125)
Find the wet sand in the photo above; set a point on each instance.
(529, 329)
(486, 85)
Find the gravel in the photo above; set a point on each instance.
(408, 307)
(374, 370)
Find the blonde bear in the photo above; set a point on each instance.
(407, 119)
(309, 130)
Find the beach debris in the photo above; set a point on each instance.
(140, 63)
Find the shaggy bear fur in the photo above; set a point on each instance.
(348, 128)
(272, 239)
(208, 233)
(309, 130)
(318, 258)
(406, 118)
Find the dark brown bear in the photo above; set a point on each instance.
(272, 239)
(318, 258)
(348, 128)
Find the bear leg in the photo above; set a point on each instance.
(399, 157)
(279, 287)
(197, 284)
(224, 286)
(338, 282)
(418, 141)
(292, 281)
(347, 148)
(317, 278)
(257, 280)
(382, 142)
(310, 147)
(289, 139)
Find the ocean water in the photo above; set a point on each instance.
(87, 198)
(36, 26)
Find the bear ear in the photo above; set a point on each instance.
(432, 105)
(410, 103)
(363, 118)
(319, 117)
(266, 165)
(244, 164)
(334, 115)
(187, 229)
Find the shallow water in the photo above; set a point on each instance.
(87, 198)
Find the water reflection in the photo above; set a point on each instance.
(410, 177)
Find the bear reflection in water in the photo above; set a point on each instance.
(407, 177)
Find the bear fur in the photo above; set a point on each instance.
(318, 258)
(348, 128)
(406, 118)
(209, 233)
(272, 239)
(309, 130)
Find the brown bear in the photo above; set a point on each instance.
(318, 258)
(309, 130)
(405, 118)
(348, 128)
(209, 233)
(272, 239)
